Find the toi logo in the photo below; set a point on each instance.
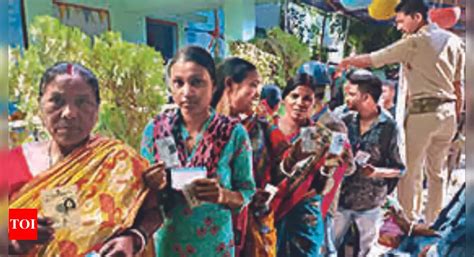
(23, 224)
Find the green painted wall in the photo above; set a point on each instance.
(240, 19)
(35, 8)
(131, 25)
(128, 17)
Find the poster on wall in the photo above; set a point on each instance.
(313, 26)
(335, 35)
(209, 34)
(305, 22)
(92, 21)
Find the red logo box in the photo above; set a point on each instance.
(23, 224)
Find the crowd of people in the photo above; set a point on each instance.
(237, 169)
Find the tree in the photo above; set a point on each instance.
(367, 37)
(131, 76)
(288, 48)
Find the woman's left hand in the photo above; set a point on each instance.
(209, 190)
(121, 246)
(333, 160)
(260, 198)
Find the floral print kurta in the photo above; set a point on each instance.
(206, 230)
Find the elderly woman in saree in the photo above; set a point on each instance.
(207, 160)
(298, 215)
(88, 186)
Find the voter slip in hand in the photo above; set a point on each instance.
(182, 180)
(361, 158)
(308, 135)
(180, 177)
(168, 152)
(61, 205)
(273, 190)
(337, 143)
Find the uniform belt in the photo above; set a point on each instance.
(426, 105)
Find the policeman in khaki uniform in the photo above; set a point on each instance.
(432, 61)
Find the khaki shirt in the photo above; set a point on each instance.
(433, 58)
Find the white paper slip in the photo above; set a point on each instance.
(337, 143)
(92, 254)
(61, 205)
(273, 190)
(168, 151)
(184, 176)
(362, 158)
(308, 135)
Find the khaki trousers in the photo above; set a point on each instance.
(428, 139)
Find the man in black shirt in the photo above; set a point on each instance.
(374, 138)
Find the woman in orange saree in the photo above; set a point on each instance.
(89, 187)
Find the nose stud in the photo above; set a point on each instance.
(69, 69)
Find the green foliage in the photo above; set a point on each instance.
(367, 37)
(130, 76)
(277, 55)
(268, 65)
(288, 48)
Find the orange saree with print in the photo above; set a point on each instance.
(109, 192)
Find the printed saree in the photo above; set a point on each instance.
(269, 146)
(297, 205)
(328, 119)
(110, 191)
(294, 189)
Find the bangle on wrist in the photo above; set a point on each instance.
(142, 237)
(324, 171)
(283, 170)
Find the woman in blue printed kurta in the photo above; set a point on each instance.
(237, 93)
(219, 144)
